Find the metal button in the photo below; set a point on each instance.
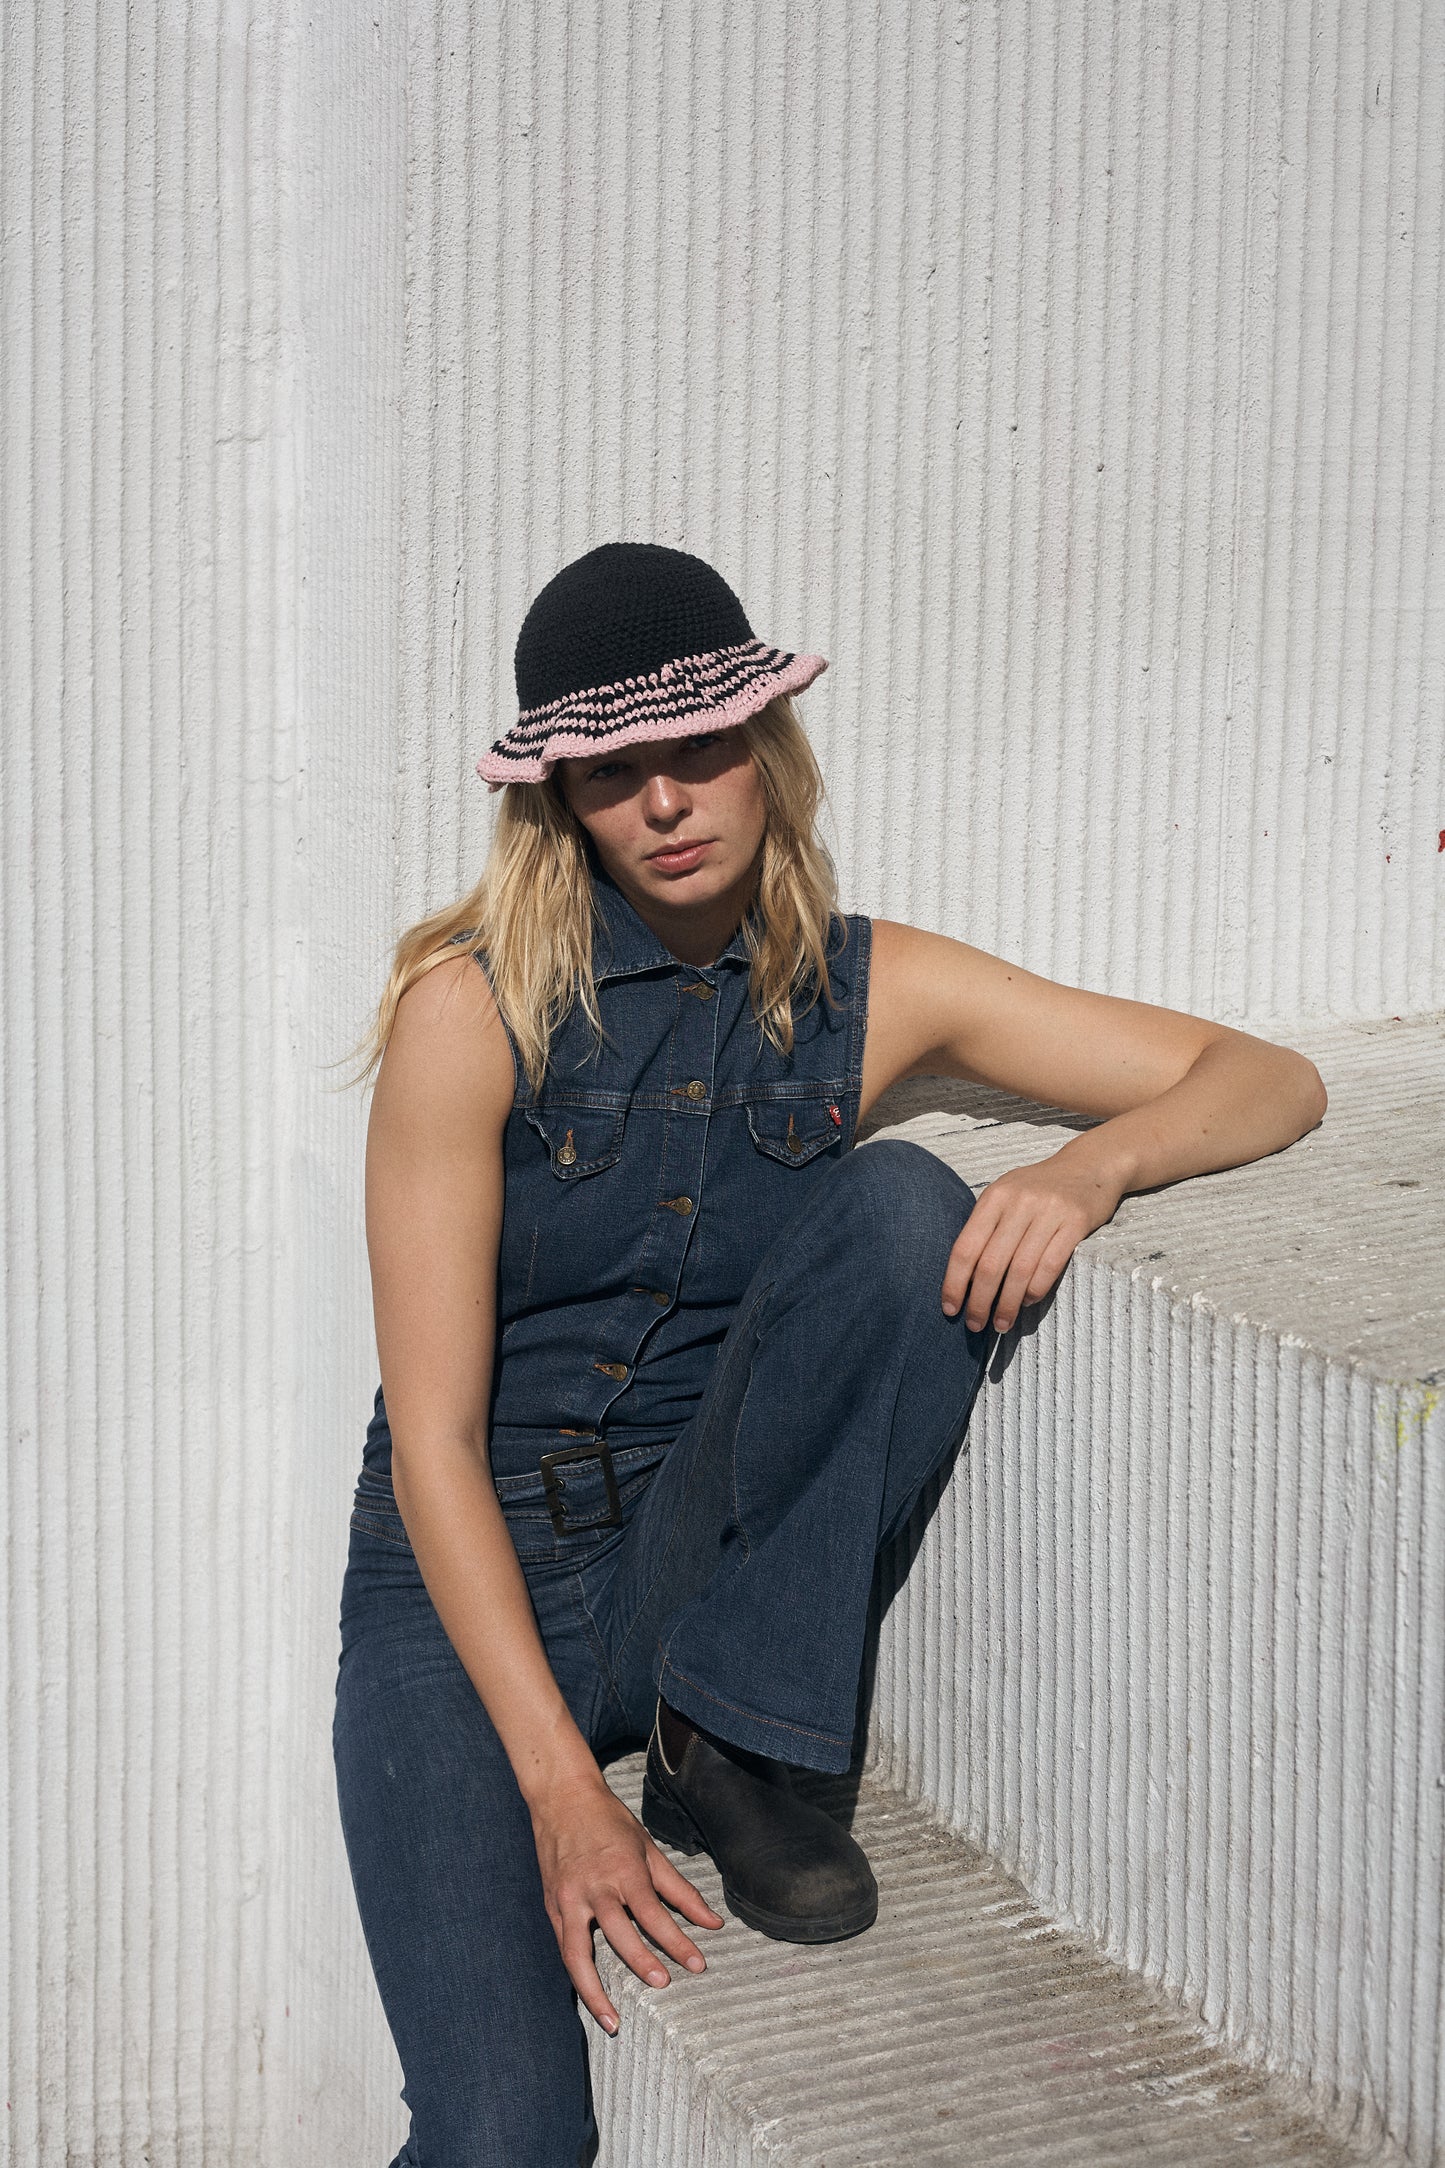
(680, 1205)
(795, 1142)
(701, 988)
(661, 1297)
(567, 1153)
(612, 1370)
(697, 1089)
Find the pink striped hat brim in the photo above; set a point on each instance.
(707, 692)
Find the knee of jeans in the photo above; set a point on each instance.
(916, 1204)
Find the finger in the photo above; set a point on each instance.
(1060, 1249)
(653, 1917)
(629, 1945)
(677, 1890)
(964, 1255)
(583, 1973)
(1022, 1266)
(1056, 1253)
(989, 1274)
(1014, 1232)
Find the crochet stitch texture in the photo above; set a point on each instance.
(634, 641)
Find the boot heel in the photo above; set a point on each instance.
(664, 1819)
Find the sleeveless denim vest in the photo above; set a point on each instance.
(645, 1181)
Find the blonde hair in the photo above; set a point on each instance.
(531, 915)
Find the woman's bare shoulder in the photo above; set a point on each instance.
(911, 972)
(449, 1058)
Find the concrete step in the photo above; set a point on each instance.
(1334, 1243)
(1170, 1639)
(1156, 1745)
(962, 2027)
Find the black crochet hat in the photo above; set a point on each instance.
(634, 641)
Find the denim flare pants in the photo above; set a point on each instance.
(737, 1584)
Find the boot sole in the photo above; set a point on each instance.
(671, 1824)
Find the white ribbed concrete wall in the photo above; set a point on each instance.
(1172, 1651)
(1173, 1645)
(151, 473)
(1068, 375)
(335, 2096)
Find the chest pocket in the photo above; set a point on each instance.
(795, 1130)
(579, 1140)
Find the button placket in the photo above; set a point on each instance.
(660, 1261)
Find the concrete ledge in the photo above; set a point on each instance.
(1336, 1243)
(962, 2028)
(1172, 1645)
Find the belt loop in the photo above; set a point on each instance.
(601, 1452)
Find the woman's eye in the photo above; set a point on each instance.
(702, 743)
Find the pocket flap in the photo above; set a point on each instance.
(794, 1130)
(579, 1140)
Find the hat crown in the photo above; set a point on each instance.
(622, 611)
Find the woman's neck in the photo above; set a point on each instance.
(696, 934)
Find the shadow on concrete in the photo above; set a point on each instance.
(980, 1104)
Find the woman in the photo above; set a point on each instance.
(664, 1361)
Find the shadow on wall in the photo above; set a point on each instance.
(978, 1104)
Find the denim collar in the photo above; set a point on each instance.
(625, 943)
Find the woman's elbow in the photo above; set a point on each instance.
(1312, 1088)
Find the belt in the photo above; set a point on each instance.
(601, 1452)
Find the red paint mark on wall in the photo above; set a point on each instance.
(1440, 846)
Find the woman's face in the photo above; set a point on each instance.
(641, 803)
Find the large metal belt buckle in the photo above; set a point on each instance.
(601, 1452)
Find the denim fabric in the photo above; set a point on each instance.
(738, 1579)
(643, 1179)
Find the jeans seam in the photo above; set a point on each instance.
(595, 1642)
(644, 1598)
(370, 1527)
(862, 983)
(733, 1449)
(774, 1723)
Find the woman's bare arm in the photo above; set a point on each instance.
(434, 1197)
(1183, 1096)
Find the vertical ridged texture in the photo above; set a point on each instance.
(1069, 376)
(149, 593)
(334, 2095)
(1173, 1649)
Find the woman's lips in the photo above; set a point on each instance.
(678, 861)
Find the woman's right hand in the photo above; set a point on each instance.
(600, 1865)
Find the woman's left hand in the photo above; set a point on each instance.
(1020, 1234)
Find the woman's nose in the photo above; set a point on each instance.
(664, 797)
